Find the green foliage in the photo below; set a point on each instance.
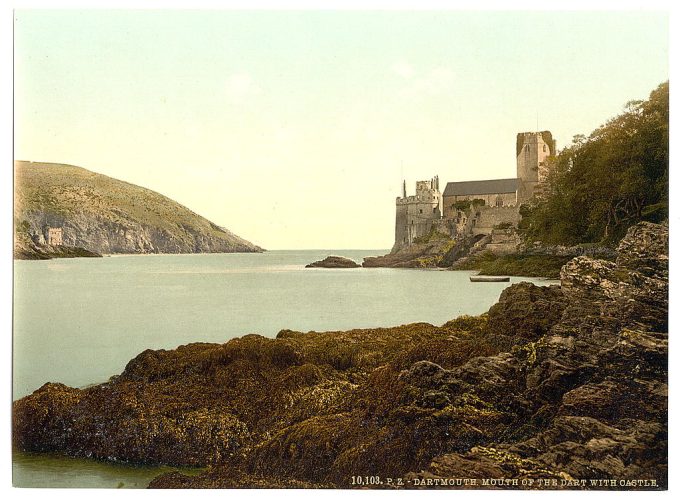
(429, 261)
(516, 264)
(462, 205)
(601, 185)
(21, 226)
(433, 235)
(465, 204)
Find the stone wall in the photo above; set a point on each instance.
(508, 199)
(485, 218)
(503, 241)
(55, 236)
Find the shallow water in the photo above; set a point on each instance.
(46, 470)
(79, 321)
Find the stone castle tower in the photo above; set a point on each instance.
(497, 203)
(415, 214)
(532, 151)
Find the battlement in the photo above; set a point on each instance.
(430, 198)
(536, 138)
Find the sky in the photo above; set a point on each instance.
(294, 129)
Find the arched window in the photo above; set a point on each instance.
(543, 148)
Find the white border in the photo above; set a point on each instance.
(6, 22)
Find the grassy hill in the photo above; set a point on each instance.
(105, 215)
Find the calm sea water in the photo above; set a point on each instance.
(79, 321)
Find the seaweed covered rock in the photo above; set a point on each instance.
(526, 311)
(234, 403)
(595, 384)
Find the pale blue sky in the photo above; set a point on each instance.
(291, 128)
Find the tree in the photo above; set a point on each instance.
(600, 185)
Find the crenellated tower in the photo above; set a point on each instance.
(416, 214)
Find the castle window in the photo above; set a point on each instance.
(543, 148)
(527, 148)
(421, 211)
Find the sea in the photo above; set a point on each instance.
(79, 321)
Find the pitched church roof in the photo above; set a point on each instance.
(478, 187)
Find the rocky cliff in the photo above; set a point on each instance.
(105, 215)
(562, 384)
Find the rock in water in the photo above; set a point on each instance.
(333, 262)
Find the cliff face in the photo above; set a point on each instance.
(105, 215)
(561, 383)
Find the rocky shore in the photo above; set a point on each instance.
(564, 383)
(432, 251)
(50, 252)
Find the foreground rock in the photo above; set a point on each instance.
(561, 384)
(333, 262)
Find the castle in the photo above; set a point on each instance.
(476, 207)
